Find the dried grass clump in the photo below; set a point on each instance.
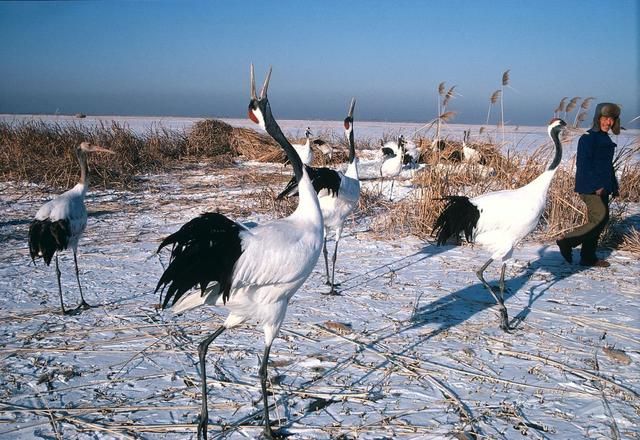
(631, 241)
(42, 152)
(256, 146)
(210, 137)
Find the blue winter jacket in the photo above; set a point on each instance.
(594, 164)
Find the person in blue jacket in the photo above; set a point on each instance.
(595, 182)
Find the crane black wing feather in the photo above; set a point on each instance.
(388, 152)
(321, 178)
(46, 237)
(459, 215)
(205, 250)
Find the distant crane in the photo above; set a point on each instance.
(59, 223)
(253, 272)
(499, 220)
(325, 149)
(470, 155)
(393, 155)
(304, 150)
(338, 194)
(411, 153)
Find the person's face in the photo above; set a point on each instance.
(606, 122)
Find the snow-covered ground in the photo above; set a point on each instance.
(411, 349)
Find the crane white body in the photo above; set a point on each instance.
(68, 206)
(276, 259)
(391, 163)
(500, 219)
(507, 216)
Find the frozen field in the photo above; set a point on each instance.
(412, 348)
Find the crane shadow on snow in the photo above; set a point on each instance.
(459, 306)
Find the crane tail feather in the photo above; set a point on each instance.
(459, 216)
(204, 251)
(46, 237)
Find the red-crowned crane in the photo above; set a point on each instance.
(338, 194)
(304, 150)
(59, 223)
(251, 272)
(499, 220)
(469, 154)
(393, 156)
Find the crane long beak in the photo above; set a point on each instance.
(265, 86)
(103, 150)
(352, 106)
(253, 84)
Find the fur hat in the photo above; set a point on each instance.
(607, 109)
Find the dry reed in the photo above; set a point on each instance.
(43, 152)
(561, 105)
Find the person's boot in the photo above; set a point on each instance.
(596, 263)
(565, 249)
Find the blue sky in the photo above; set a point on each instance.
(191, 58)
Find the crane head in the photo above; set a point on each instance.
(88, 147)
(348, 121)
(259, 105)
(555, 126)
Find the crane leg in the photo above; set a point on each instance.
(333, 290)
(203, 418)
(504, 317)
(502, 285)
(267, 432)
(326, 259)
(64, 312)
(391, 192)
(83, 303)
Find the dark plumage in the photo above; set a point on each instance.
(459, 215)
(321, 178)
(46, 237)
(204, 250)
(388, 152)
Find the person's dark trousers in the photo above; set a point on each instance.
(587, 235)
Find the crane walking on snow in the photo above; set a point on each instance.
(59, 223)
(499, 220)
(251, 272)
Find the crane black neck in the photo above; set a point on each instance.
(272, 127)
(558, 153)
(352, 146)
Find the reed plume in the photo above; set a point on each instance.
(505, 82)
(492, 100)
(579, 118)
(560, 107)
(441, 88)
(572, 104)
(587, 101)
(447, 97)
(505, 77)
(446, 116)
(582, 115)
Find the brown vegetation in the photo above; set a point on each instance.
(42, 152)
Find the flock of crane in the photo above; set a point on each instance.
(254, 272)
